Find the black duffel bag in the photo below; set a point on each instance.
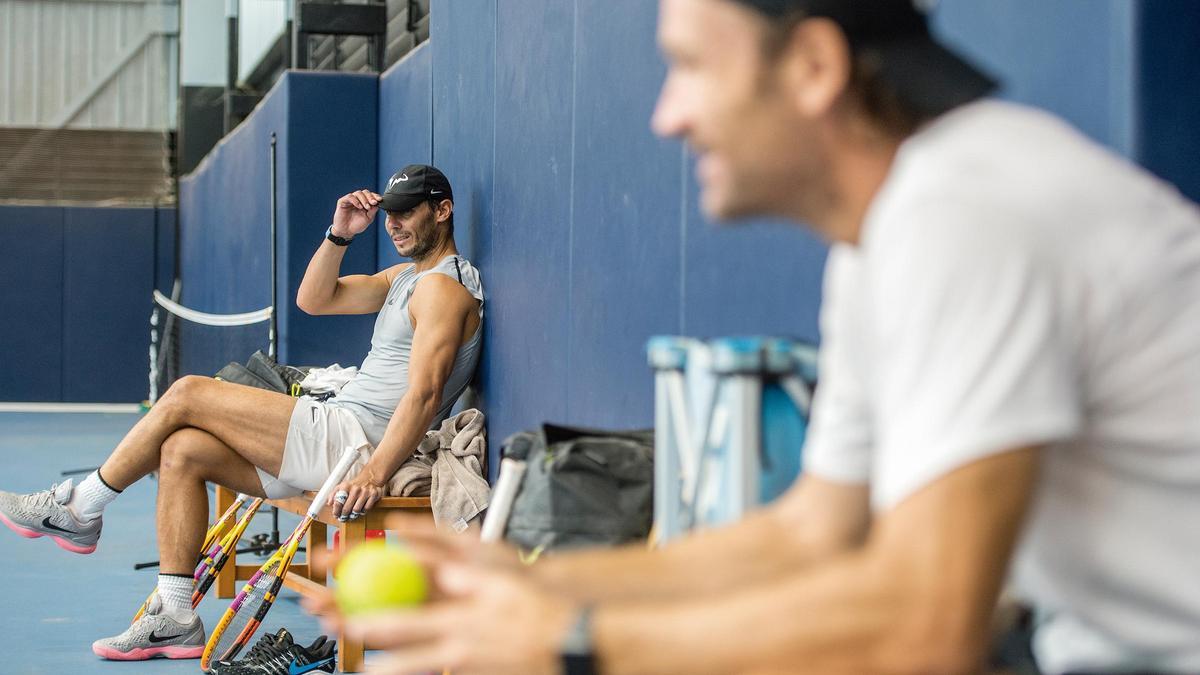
(263, 372)
(582, 487)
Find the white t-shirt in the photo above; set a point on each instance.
(1017, 284)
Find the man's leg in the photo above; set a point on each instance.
(189, 458)
(253, 422)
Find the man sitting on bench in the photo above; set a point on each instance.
(423, 353)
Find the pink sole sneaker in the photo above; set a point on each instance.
(148, 653)
(62, 543)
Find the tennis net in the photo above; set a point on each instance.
(184, 341)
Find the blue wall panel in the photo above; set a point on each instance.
(528, 278)
(108, 275)
(1074, 58)
(324, 160)
(225, 207)
(749, 278)
(405, 129)
(626, 214)
(1169, 101)
(225, 237)
(464, 85)
(31, 303)
(225, 216)
(164, 249)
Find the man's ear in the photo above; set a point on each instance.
(444, 209)
(815, 64)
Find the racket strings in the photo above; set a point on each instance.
(255, 598)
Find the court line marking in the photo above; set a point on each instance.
(70, 407)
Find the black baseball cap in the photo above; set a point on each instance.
(414, 184)
(927, 76)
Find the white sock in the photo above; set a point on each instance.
(175, 592)
(89, 498)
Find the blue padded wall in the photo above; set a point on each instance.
(405, 129)
(225, 210)
(463, 61)
(31, 304)
(759, 277)
(108, 276)
(1074, 57)
(625, 218)
(463, 140)
(164, 246)
(530, 271)
(77, 302)
(326, 156)
(1126, 73)
(225, 216)
(1169, 91)
(225, 236)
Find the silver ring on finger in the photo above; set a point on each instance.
(341, 497)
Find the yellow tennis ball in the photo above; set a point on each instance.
(376, 577)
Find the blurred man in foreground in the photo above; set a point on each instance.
(1010, 379)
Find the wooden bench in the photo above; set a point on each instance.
(310, 576)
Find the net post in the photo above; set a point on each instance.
(273, 337)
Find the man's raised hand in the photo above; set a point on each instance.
(355, 212)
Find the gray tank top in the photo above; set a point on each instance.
(374, 393)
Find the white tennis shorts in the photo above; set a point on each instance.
(316, 436)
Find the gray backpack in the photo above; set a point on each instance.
(582, 487)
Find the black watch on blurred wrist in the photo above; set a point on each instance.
(340, 241)
(576, 649)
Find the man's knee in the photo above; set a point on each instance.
(180, 397)
(184, 452)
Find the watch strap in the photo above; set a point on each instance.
(339, 241)
(576, 650)
(578, 664)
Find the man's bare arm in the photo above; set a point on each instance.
(814, 520)
(916, 598)
(321, 290)
(441, 310)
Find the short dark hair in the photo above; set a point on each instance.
(877, 99)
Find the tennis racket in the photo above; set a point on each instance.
(512, 471)
(210, 539)
(214, 561)
(250, 607)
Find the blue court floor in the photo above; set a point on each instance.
(53, 604)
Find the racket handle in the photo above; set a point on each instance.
(507, 484)
(348, 456)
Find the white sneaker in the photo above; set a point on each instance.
(154, 635)
(45, 514)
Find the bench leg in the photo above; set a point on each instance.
(354, 532)
(318, 545)
(227, 578)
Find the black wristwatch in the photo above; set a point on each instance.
(340, 241)
(576, 650)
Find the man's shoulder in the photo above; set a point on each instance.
(441, 290)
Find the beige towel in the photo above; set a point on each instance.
(448, 467)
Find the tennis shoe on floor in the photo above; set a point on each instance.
(154, 635)
(279, 654)
(45, 514)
